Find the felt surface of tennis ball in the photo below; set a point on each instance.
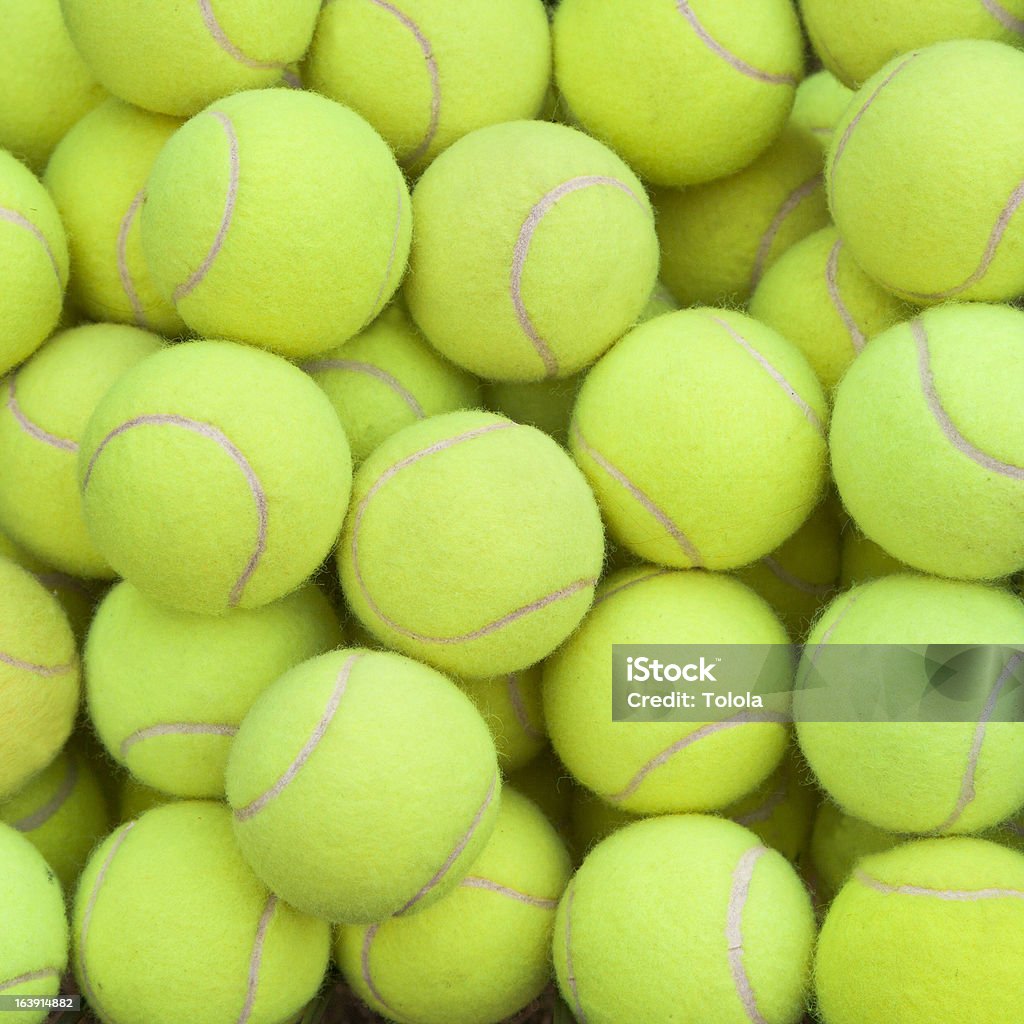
(821, 99)
(277, 218)
(511, 706)
(449, 556)
(214, 476)
(864, 560)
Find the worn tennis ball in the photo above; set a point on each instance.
(821, 99)
(448, 68)
(167, 690)
(864, 560)
(449, 556)
(499, 281)
(278, 218)
(734, 913)
(214, 476)
(928, 209)
(362, 784)
(927, 441)
(511, 707)
(903, 940)
(687, 481)
(482, 952)
(208, 940)
(175, 59)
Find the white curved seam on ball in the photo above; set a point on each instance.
(256, 959)
(803, 191)
(774, 566)
(857, 339)
(653, 575)
(369, 370)
(378, 300)
(220, 37)
(364, 966)
(477, 882)
(123, 270)
(1005, 18)
(953, 895)
(515, 697)
(738, 896)
(13, 217)
(826, 637)
(42, 815)
(33, 429)
(46, 671)
(570, 969)
(765, 809)
(21, 979)
(176, 729)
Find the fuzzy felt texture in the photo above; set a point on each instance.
(734, 915)
(214, 476)
(363, 784)
(167, 690)
(534, 249)
(821, 100)
(928, 441)
(481, 953)
(511, 707)
(473, 543)
(864, 560)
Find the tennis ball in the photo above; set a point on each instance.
(511, 707)
(718, 239)
(734, 914)
(685, 91)
(387, 377)
(864, 560)
(47, 403)
(821, 99)
(449, 556)
(63, 812)
(214, 476)
(702, 434)
(277, 218)
(548, 784)
(903, 940)
(499, 281)
(175, 59)
(363, 784)
(449, 68)
(38, 678)
(663, 767)
(34, 938)
(483, 951)
(816, 296)
(97, 178)
(207, 940)
(34, 261)
(928, 441)
(167, 690)
(927, 209)
(134, 799)
(919, 776)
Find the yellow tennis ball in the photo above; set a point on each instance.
(663, 767)
(928, 209)
(703, 435)
(449, 68)
(511, 706)
(901, 941)
(387, 377)
(296, 260)
(919, 776)
(47, 404)
(718, 239)
(483, 951)
(172, 888)
(175, 59)
(734, 914)
(864, 560)
(167, 690)
(34, 938)
(821, 99)
(214, 476)
(449, 555)
(499, 281)
(927, 441)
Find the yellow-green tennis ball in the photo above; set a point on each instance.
(929, 933)
(663, 767)
(449, 556)
(344, 803)
(718, 239)
(734, 914)
(864, 560)
(929, 209)
(920, 776)
(593, 819)
(821, 100)
(927, 441)
(177, 58)
(499, 281)
(97, 177)
(47, 403)
(481, 953)
(33, 263)
(63, 812)
(38, 678)
(685, 480)
(214, 476)
(34, 937)
(448, 68)
(167, 690)
(685, 91)
(277, 218)
(207, 939)
(134, 799)
(511, 707)
(547, 782)
(387, 377)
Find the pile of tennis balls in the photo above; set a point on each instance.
(371, 368)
